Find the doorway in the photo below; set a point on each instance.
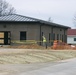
(5, 38)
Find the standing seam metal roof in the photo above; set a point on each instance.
(20, 18)
(15, 17)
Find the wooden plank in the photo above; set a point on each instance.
(1, 34)
(2, 41)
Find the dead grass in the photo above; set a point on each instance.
(36, 46)
(24, 56)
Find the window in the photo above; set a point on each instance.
(49, 37)
(23, 35)
(74, 39)
(57, 36)
(42, 35)
(62, 38)
(52, 36)
(65, 38)
(5, 38)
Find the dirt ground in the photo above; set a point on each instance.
(27, 56)
(14, 61)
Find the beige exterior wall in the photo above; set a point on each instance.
(32, 30)
(56, 30)
(48, 29)
(59, 31)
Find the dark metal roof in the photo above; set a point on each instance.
(20, 18)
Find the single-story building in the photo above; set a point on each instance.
(71, 36)
(18, 27)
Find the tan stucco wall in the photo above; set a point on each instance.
(33, 30)
(56, 30)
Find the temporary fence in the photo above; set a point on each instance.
(52, 44)
(30, 41)
(34, 42)
(24, 41)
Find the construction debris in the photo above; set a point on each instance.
(59, 45)
(30, 46)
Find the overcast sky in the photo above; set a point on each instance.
(60, 11)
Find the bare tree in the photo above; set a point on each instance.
(6, 8)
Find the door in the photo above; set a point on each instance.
(5, 38)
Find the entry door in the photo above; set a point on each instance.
(23, 35)
(5, 38)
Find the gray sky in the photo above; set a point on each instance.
(60, 11)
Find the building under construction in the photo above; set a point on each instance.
(18, 27)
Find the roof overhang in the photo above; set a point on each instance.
(15, 18)
(43, 23)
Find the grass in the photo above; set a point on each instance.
(35, 56)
